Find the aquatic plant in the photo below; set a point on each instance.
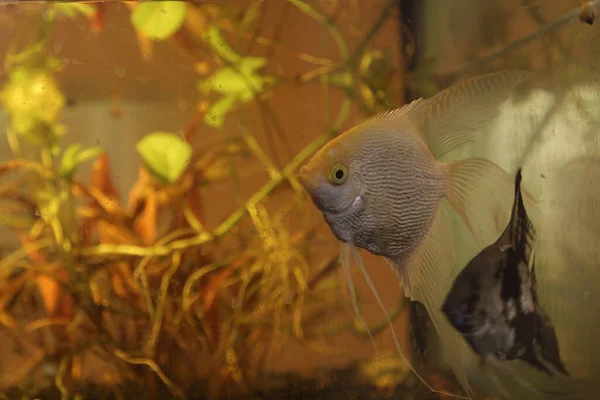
(135, 283)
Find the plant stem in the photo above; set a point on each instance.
(234, 218)
(552, 26)
(154, 367)
(333, 30)
(12, 258)
(161, 304)
(383, 17)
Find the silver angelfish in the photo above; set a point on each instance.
(381, 186)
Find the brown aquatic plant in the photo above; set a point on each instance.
(134, 283)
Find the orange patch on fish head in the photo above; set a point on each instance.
(329, 176)
(319, 169)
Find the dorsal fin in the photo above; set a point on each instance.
(520, 232)
(454, 116)
(398, 112)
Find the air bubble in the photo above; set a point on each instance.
(144, 79)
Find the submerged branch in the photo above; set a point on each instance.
(15, 2)
(154, 367)
(548, 28)
(116, 301)
(24, 369)
(23, 252)
(224, 227)
(27, 165)
(335, 33)
(161, 303)
(385, 14)
(365, 332)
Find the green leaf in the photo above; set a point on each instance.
(239, 82)
(67, 163)
(256, 86)
(36, 130)
(86, 9)
(72, 158)
(30, 55)
(159, 19)
(244, 84)
(33, 92)
(71, 9)
(48, 202)
(165, 154)
(33, 99)
(248, 65)
(216, 41)
(227, 81)
(216, 115)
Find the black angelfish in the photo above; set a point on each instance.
(493, 301)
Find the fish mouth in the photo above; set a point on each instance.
(313, 185)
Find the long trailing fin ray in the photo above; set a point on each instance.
(345, 260)
(522, 230)
(481, 193)
(375, 292)
(427, 277)
(519, 223)
(454, 116)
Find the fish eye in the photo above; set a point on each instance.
(339, 173)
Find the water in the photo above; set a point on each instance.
(190, 263)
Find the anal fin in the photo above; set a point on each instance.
(427, 276)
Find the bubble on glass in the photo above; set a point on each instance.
(58, 46)
(120, 72)
(144, 79)
(49, 369)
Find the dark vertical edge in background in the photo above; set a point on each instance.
(410, 24)
(410, 12)
(410, 18)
